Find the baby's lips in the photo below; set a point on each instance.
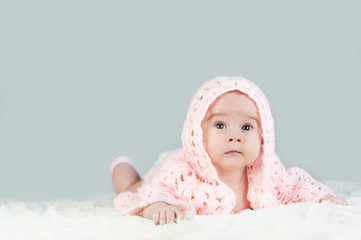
(233, 152)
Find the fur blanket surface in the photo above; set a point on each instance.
(96, 218)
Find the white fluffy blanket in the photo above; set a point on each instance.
(97, 219)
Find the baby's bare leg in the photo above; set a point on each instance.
(125, 178)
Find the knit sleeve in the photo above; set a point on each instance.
(161, 184)
(296, 185)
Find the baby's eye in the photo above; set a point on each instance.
(247, 127)
(219, 125)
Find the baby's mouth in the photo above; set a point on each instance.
(233, 152)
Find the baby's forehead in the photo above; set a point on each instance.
(233, 102)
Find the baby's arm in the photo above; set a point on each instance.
(297, 185)
(161, 213)
(306, 189)
(160, 185)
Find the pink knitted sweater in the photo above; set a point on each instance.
(188, 179)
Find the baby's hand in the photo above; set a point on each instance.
(162, 213)
(334, 199)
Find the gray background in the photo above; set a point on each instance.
(84, 81)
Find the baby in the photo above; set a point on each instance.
(227, 163)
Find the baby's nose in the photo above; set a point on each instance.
(234, 138)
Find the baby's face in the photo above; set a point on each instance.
(232, 133)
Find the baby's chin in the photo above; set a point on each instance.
(232, 163)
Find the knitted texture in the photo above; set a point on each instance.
(189, 180)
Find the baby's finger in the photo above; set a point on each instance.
(155, 218)
(178, 214)
(169, 215)
(162, 219)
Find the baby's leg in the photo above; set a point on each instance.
(124, 176)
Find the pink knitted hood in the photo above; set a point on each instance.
(192, 135)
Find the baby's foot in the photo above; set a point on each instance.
(120, 159)
(124, 176)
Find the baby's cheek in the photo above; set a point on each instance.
(255, 148)
(209, 149)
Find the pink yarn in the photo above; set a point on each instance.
(188, 179)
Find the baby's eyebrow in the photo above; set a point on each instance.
(222, 114)
(253, 118)
(215, 115)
